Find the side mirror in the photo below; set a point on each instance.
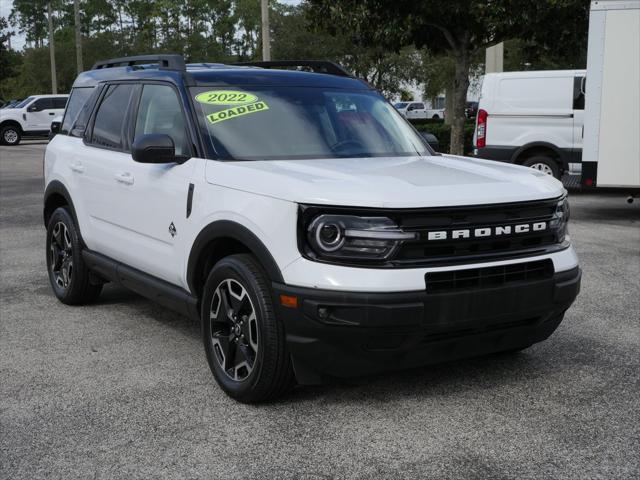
(33, 108)
(431, 139)
(154, 148)
(55, 129)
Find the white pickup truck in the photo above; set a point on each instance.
(30, 118)
(418, 110)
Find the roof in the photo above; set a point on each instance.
(220, 75)
(536, 73)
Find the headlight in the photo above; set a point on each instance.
(354, 237)
(560, 219)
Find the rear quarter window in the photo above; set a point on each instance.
(76, 101)
(109, 120)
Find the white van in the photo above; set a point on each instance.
(532, 118)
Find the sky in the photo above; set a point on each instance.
(18, 41)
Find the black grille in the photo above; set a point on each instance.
(477, 278)
(450, 250)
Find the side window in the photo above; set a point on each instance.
(579, 84)
(160, 111)
(59, 102)
(77, 100)
(109, 121)
(40, 104)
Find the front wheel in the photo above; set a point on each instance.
(543, 164)
(243, 340)
(10, 135)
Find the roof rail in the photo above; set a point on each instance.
(165, 62)
(318, 66)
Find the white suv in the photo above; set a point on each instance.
(32, 117)
(300, 219)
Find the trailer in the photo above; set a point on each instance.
(611, 145)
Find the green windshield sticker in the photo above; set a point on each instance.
(226, 97)
(234, 112)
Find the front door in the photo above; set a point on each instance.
(40, 114)
(156, 201)
(416, 110)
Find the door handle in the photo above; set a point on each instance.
(124, 177)
(52, 113)
(76, 167)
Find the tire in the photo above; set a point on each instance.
(10, 135)
(436, 117)
(544, 164)
(243, 340)
(68, 275)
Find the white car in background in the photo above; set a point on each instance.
(418, 111)
(30, 118)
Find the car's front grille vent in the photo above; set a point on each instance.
(488, 277)
(466, 221)
(494, 327)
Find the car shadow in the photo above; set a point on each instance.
(438, 379)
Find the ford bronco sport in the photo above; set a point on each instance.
(297, 216)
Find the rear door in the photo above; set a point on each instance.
(103, 154)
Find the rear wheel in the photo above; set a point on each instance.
(10, 135)
(243, 340)
(543, 164)
(68, 275)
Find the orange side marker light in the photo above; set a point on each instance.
(289, 301)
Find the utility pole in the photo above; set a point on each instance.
(266, 40)
(52, 51)
(76, 20)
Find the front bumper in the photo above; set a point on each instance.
(343, 334)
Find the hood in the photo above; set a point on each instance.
(388, 182)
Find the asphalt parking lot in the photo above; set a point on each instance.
(121, 389)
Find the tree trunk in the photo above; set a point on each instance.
(460, 87)
(266, 34)
(448, 105)
(52, 51)
(76, 17)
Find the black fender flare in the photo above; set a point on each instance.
(235, 231)
(11, 121)
(560, 154)
(57, 187)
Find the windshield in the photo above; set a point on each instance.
(401, 104)
(24, 102)
(302, 122)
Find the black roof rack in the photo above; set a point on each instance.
(318, 66)
(165, 62)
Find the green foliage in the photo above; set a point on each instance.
(381, 41)
(442, 132)
(460, 29)
(297, 37)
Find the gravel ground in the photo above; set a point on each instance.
(121, 389)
